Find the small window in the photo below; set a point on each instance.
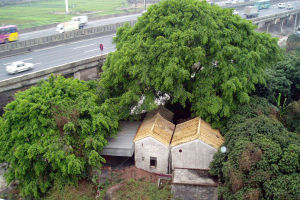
(180, 150)
(153, 162)
(143, 158)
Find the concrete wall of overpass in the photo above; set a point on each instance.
(283, 23)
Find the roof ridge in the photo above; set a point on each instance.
(199, 126)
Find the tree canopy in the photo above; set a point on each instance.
(262, 161)
(191, 51)
(53, 132)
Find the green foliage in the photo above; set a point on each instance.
(53, 132)
(284, 79)
(192, 51)
(263, 158)
(293, 42)
(291, 117)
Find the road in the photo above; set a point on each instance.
(59, 55)
(51, 31)
(272, 10)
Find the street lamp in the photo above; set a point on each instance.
(67, 6)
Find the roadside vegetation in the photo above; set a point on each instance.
(206, 60)
(31, 14)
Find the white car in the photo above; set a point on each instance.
(281, 5)
(289, 7)
(18, 66)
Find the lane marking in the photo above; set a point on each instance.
(84, 46)
(26, 59)
(18, 61)
(64, 44)
(91, 50)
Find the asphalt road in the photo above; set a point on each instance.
(51, 31)
(59, 55)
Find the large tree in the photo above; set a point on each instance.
(262, 159)
(53, 132)
(191, 51)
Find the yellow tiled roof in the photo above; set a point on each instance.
(156, 127)
(197, 129)
(164, 112)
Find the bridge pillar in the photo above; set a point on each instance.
(268, 25)
(77, 75)
(295, 24)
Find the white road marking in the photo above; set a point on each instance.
(74, 42)
(91, 50)
(26, 59)
(84, 46)
(18, 60)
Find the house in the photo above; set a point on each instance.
(152, 142)
(194, 144)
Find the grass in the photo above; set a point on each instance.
(51, 11)
(142, 190)
(84, 191)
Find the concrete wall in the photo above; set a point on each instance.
(150, 147)
(194, 192)
(195, 154)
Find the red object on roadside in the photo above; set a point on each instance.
(101, 47)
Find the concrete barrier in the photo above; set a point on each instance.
(37, 43)
(66, 69)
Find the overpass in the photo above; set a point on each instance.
(284, 22)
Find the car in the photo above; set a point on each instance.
(281, 5)
(18, 66)
(289, 7)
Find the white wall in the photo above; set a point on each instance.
(149, 147)
(195, 154)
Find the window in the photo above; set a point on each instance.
(12, 30)
(180, 150)
(153, 162)
(143, 158)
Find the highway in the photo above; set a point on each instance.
(51, 31)
(58, 55)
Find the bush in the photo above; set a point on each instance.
(53, 132)
(262, 158)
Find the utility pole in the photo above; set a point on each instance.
(67, 6)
